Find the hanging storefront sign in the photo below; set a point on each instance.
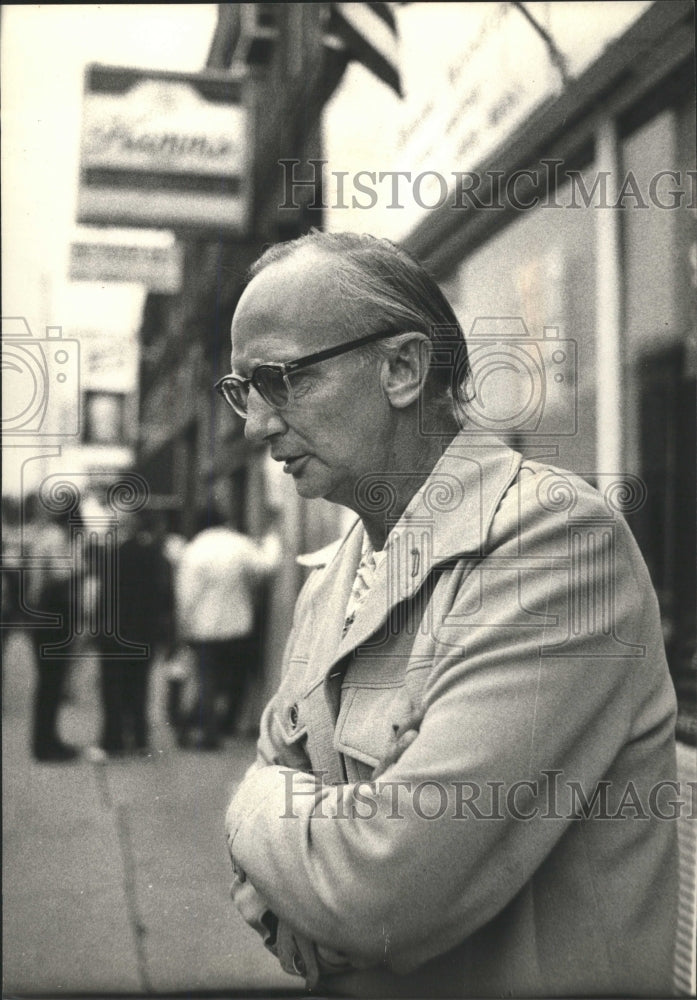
(159, 268)
(164, 149)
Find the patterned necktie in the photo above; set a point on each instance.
(362, 583)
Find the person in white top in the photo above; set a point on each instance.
(217, 580)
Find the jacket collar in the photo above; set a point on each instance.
(457, 503)
(450, 517)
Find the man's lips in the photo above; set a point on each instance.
(292, 463)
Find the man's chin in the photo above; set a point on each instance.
(309, 486)
(308, 489)
(312, 481)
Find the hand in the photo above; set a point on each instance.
(252, 907)
(297, 954)
(331, 961)
(404, 735)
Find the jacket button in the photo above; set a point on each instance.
(293, 716)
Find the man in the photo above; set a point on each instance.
(217, 577)
(50, 593)
(485, 639)
(144, 602)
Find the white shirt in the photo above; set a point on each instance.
(215, 582)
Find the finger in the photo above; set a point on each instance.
(250, 905)
(404, 741)
(308, 957)
(407, 739)
(285, 949)
(296, 954)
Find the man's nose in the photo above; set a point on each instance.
(263, 421)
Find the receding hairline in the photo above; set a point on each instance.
(305, 254)
(350, 248)
(367, 271)
(291, 267)
(306, 283)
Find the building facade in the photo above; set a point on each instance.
(581, 234)
(570, 230)
(192, 449)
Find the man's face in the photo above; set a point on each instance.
(339, 425)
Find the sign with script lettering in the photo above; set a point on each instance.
(165, 149)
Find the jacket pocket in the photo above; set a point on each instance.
(365, 728)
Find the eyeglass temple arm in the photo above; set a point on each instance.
(333, 352)
(330, 352)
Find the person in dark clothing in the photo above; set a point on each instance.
(11, 555)
(50, 594)
(144, 602)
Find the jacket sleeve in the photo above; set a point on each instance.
(401, 870)
(271, 749)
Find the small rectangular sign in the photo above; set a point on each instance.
(164, 149)
(159, 268)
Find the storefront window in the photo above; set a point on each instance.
(660, 377)
(531, 288)
(104, 418)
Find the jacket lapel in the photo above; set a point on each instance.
(450, 518)
(328, 610)
(329, 604)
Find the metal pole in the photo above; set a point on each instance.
(608, 307)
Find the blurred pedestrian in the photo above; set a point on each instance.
(178, 657)
(50, 594)
(11, 553)
(219, 572)
(173, 541)
(144, 603)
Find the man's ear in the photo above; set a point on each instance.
(404, 371)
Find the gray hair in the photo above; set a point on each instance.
(383, 288)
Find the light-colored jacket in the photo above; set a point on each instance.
(215, 583)
(514, 617)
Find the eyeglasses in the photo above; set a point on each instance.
(272, 380)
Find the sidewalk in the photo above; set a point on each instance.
(116, 876)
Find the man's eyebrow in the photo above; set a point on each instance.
(251, 363)
(241, 368)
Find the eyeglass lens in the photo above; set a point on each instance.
(271, 385)
(235, 395)
(268, 382)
